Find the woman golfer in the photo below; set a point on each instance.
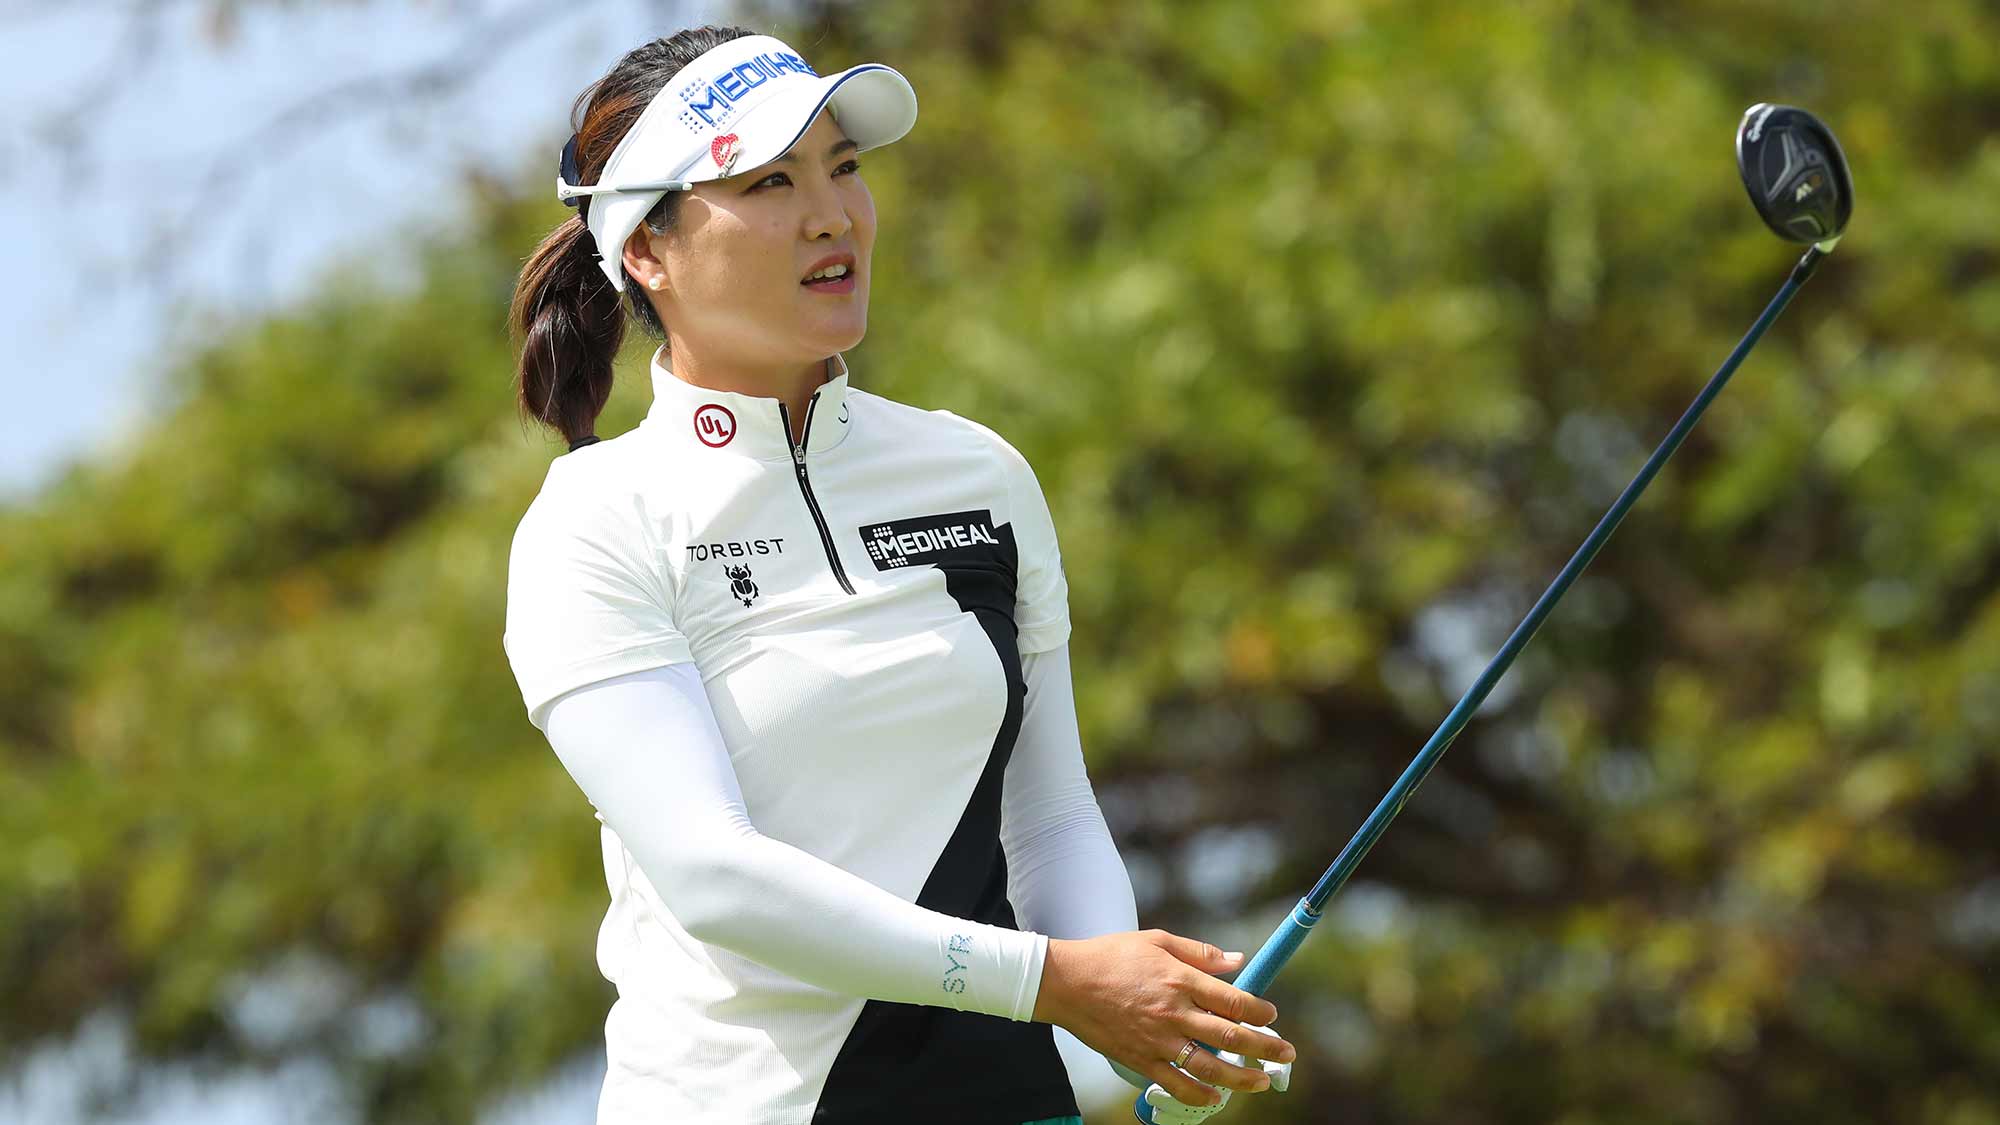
(804, 648)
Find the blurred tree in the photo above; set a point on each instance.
(1330, 327)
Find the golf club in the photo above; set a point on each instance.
(1797, 177)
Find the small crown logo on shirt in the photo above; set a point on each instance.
(725, 149)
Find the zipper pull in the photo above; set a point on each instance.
(798, 455)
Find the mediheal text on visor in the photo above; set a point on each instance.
(732, 84)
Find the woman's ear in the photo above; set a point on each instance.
(642, 264)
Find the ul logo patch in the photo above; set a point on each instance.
(714, 425)
(740, 584)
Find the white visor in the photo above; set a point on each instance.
(739, 106)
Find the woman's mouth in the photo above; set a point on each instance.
(833, 279)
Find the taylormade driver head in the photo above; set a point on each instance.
(1795, 173)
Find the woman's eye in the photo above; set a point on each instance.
(776, 178)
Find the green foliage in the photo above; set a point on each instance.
(1329, 327)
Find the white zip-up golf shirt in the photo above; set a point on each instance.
(796, 682)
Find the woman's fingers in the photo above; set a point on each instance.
(1232, 1003)
(1216, 1072)
(1184, 1089)
(1224, 1035)
(1142, 996)
(1200, 954)
(1252, 1044)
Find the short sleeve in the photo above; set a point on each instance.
(1041, 600)
(583, 602)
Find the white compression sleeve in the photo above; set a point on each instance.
(645, 749)
(1063, 872)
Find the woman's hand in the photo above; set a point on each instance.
(1169, 1110)
(1139, 997)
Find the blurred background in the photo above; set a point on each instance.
(1330, 327)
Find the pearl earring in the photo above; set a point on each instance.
(655, 283)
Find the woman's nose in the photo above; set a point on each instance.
(826, 216)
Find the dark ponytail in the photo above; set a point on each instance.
(564, 311)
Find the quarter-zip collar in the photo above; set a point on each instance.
(726, 423)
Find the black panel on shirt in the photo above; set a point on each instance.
(915, 1062)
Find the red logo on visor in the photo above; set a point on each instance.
(714, 425)
(724, 149)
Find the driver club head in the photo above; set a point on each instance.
(1795, 173)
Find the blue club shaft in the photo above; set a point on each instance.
(1256, 977)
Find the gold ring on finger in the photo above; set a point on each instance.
(1187, 1053)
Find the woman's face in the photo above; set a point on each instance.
(737, 259)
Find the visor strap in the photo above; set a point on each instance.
(571, 175)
